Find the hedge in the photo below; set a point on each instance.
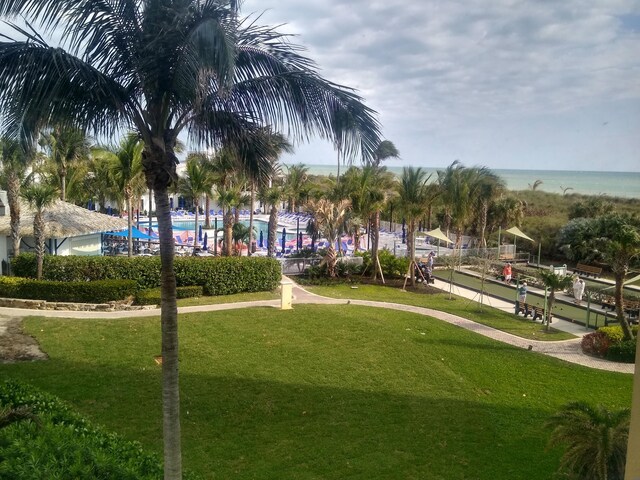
(100, 291)
(56, 442)
(218, 275)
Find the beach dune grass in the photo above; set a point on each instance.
(326, 392)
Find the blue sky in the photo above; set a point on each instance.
(503, 83)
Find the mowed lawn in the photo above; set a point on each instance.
(322, 392)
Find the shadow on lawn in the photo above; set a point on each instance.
(256, 428)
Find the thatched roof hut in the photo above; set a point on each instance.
(63, 220)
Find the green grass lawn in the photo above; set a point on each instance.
(516, 325)
(322, 392)
(218, 299)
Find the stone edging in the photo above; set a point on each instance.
(70, 306)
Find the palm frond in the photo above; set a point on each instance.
(43, 85)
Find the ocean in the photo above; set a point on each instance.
(612, 184)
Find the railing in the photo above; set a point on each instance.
(297, 266)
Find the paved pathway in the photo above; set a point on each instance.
(568, 350)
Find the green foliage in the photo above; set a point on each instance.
(614, 333)
(595, 440)
(392, 266)
(591, 207)
(151, 296)
(65, 445)
(99, 291)
(624, 351)
(218, 276)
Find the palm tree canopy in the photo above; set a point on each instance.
(161, 67)
(40, 196)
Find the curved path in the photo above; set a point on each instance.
(568, 350)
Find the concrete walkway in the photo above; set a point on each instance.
(568, 350)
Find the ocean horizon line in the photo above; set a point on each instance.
(585, 182)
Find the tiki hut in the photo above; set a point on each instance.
(70, 230)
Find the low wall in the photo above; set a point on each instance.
(73, 307)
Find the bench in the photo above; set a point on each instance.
(527, 309)
(587, 270)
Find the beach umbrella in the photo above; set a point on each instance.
(284, 238)
(261, 242)
(171, 203)
(199, 233)
(204, 241)
(109, 210)
(299, 240)
(404, 232)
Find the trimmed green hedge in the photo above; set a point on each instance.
(100, 291)
(56, 442)
(218, 275)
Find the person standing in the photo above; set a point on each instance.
(522, 293)
(506, 273)
(578, 290)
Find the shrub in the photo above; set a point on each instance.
(624, 351)
(614, 333)
(100, 291)
(596, 343)
(218, 276)
(33, 450)
(391, 265)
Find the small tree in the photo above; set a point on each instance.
(553, 282)
(596, 441)
(39, 198)
(330, 218)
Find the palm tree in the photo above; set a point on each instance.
(15, 163)
(490, 187)
(554, 282)
(39, 197)
(65, 146)
(595, 440)
(618, 242)
(241, 236)
(330, 217)
(125, 161)
(228, 199)
(295, 184)
(272, 195)
(162, 68)
(413, 201)
(385, 149)
(197, 182)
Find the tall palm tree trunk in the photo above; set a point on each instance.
(149, 216)
(273, 224)
(228, 233)
(483, 223)
(331, 258)
(196, 204)
(375, 241)
(13, 198)
(626, 329)
(38, 233)
(253, 199)
(207, 211)
(129, 227)
(169, 322)
(63, 186)
(411, 249)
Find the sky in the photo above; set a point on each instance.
(507, 84)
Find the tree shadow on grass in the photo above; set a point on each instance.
(257, 428)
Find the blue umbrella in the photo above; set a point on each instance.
(299, 240)
(261, 242)
(109, 210)
(171, 203)
(199, 233)
(204, 242)
(284, 238)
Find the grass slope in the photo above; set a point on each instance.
(327, 392)
(516, 325)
